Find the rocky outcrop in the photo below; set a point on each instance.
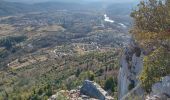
(89, 91)
(160, 90)
(70, 95)
(131, 65)
(128, 84)
(92, 89)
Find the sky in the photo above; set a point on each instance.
(33, 1)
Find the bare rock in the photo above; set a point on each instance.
(161, 90)
(131, 66)
(93, 90)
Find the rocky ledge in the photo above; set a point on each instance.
(89, 91)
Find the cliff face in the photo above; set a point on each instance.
(131, 65)
(129, 87)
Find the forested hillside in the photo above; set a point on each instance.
(53, 46)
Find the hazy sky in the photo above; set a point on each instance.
(73, 0)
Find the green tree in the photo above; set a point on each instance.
(151, 16)
(110, 85)
(156, 66)
(78, 72)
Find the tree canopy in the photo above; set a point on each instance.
(151, 31)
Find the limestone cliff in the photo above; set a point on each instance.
(131, 64)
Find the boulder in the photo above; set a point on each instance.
(93, 90)
(161, 89)
(89, 91)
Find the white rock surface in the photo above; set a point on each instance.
(137, 63)
(89, 91)
(161, 89)
(131, 67)
(93, 90)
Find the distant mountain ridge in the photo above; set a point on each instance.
(8, 8)
(12, 8)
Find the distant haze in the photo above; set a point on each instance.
(36, 1)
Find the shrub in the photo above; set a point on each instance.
(110, 85)
(90, 75)
(78, 72)
(131, 85)
(156, 65)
